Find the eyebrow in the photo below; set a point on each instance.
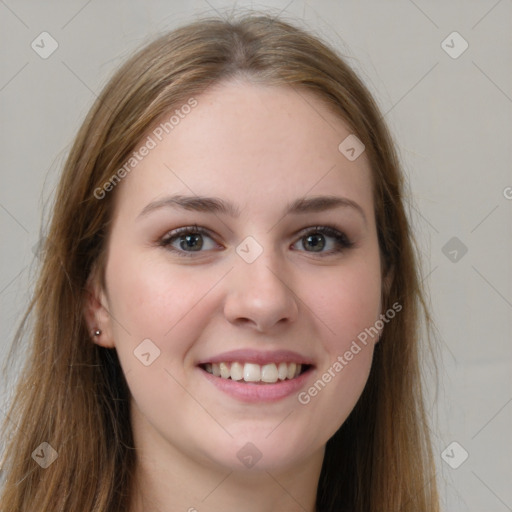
(216, 205)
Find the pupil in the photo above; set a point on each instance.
(189, 241)
(319, 245)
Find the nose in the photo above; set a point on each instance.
(260, 295)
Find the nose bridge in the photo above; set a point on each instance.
(258, 289)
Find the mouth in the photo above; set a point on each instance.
(253, 373)
(258, 376)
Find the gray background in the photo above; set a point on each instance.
(451, 118)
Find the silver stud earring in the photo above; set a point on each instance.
(96, 332)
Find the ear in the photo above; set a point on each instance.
(96, 312)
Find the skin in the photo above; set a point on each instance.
(260, 147)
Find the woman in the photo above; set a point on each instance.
(227, 313)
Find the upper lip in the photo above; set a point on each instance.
(258, 357)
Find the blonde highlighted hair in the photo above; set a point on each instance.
(72, 393)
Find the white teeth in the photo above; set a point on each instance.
(252, 372)
(269, 373)
(282, 371)
(237, 371)
(291, 370)
(224, 371)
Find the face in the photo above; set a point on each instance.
(277, 279)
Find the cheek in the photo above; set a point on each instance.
(151, 298)
(348, 306)
(348, 301)
(163, 303)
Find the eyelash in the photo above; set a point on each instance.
(341, 240)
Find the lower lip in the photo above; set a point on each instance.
(254, 392)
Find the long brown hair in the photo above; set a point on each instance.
(72, 393)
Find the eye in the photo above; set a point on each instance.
(315, 238)
(189, 238)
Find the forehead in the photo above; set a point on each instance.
(251, 143)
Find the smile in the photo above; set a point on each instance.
(251, 372)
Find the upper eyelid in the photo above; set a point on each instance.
(201, 229)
